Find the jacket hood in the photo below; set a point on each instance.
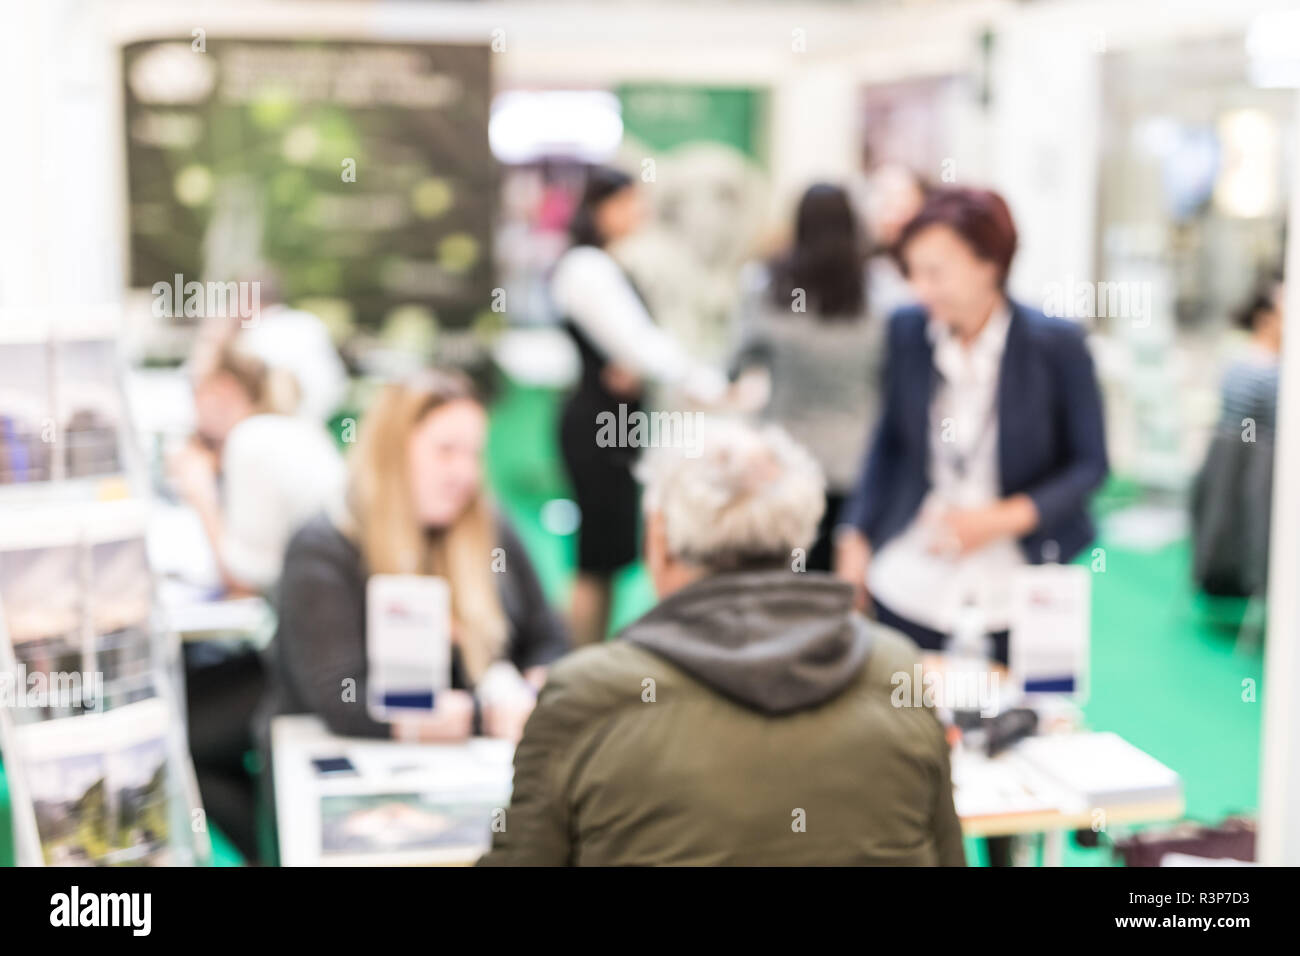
(775, 641)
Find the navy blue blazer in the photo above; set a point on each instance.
(1051, 435)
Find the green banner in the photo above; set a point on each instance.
(665, 116)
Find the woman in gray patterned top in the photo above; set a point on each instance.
(1232, 495)
(806, 336)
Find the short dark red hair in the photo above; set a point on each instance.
(979, 216)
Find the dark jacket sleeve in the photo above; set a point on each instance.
(869, 494)
(537, 636)
(321, 641)
(1066, 491)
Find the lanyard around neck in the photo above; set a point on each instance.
(959, 459)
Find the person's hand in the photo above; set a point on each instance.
(960, 531)
(620, 380)
(506, 718)
(192, 470)
(452, 720)
(963, 530)
(852, 555)
(507, 698)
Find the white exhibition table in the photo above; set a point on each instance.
(407, 804)
(403, 790)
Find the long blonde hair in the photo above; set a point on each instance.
(389, 533)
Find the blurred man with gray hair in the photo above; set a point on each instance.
(745, 720)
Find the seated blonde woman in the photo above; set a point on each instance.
(415, 505)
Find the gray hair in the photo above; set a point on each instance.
(745, 494)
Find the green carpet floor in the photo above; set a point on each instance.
(1165, 671)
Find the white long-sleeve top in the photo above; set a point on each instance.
(277, 472)
(299, 343)
(591, 289)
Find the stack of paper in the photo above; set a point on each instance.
(1103, 768)
(984, 787)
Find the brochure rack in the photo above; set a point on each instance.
(91, 696)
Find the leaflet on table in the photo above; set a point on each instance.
(408, 644)
(479, 762)
(407, 827)
(420, 804)
(1103, 768)
(985, 787)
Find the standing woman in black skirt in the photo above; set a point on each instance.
(621, 349)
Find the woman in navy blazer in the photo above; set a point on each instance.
(1011, 484)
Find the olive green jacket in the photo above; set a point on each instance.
(746, 720)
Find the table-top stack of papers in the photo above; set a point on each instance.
(1060, 781)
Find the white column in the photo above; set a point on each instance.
(812, 135)
(62, 240)
(1045, 145)
(24, 235)
(1279, 778)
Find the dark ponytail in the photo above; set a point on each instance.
(826, 260)
(602, 183)
(1263, 298)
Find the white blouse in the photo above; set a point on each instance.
(277, 472)
(907, 575)
(591, 289)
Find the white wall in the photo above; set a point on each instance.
(1279, 787)
(62, 234)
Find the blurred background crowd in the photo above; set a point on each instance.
(570, 209)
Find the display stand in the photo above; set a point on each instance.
(92, 717)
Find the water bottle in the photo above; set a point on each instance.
(970, 653)
(970, 640)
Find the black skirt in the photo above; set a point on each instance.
(603, 486)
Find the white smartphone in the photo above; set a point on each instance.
(408, 644)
